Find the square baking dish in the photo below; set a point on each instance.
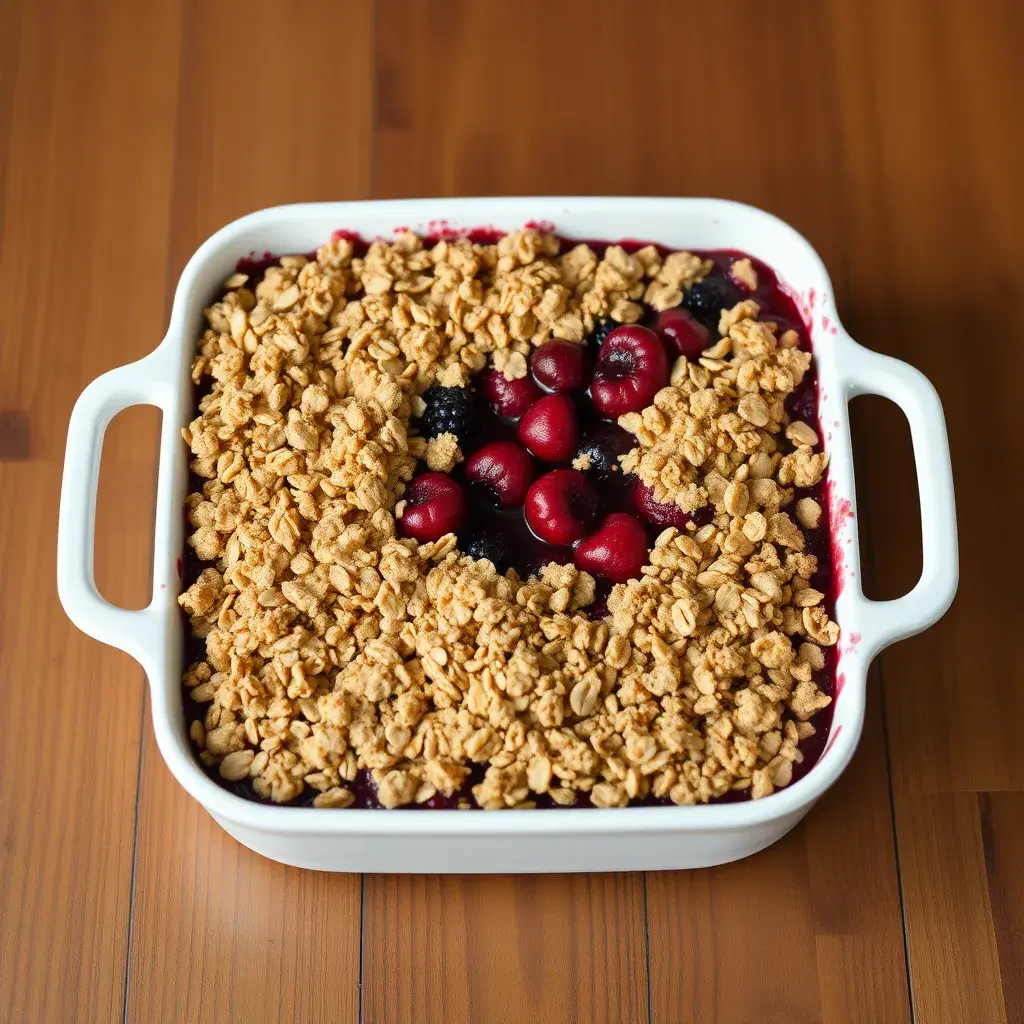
(550, 840)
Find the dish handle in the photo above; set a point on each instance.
(145, 382)
(865, 372)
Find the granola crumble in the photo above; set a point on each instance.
(334, 646)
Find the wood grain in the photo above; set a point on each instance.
(82, 265)
(885, 130)
(1002, 836)
(934, 169)
(218, 932)
(295, 127)
(447, 950)
(951, 936)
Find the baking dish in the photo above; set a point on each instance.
(631, 838)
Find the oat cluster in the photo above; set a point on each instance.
(332, 645)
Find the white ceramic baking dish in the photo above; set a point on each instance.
(536, 840)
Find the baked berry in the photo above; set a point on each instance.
(450, 411)
(509, 398)
(561, 506)
(550, 428)
(601, 331)
(617, 551)
(631, 369)
(604, 446)
(491, 546)
(435, 505)
(502, 471)
(703, 515)
(657, 513)
(561, 366)
(706, 299)
(682, 333)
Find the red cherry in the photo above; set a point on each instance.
(682, 334)
(508, 398)
(617, 551)
(550, 429)
(435, 505)
(656, 512)
(631, 369)
(561, 506)
(561, 366)
(504, 469)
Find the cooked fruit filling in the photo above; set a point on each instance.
(509, 522)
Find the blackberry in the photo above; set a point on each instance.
(450, 411)
(706, 299)
(491, 546)
(601, 331)
(604, 447)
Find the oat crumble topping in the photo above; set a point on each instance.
(332, 645)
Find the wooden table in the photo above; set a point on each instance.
(888, 132)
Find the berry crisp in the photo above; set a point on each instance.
(506, 522)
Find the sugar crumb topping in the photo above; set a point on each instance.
(332, 645)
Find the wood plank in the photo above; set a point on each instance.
(82, 263)
(1002, 835)
(218, 932)
(221, 934)
(703, 926)
(933, 180)
(622, 131)
(443, 950)
(854, 889)
(951, 936)
(570, 107)
(81, 237)
(294, 129)
(925, 183)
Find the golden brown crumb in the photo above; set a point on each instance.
(443, 453)
(743, 271)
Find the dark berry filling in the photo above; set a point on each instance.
(706, 299)
(501, 471)
(659, 513)
(682, 333)
(600, 332)
(603, 446)
(491, 546)
(617, 551)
